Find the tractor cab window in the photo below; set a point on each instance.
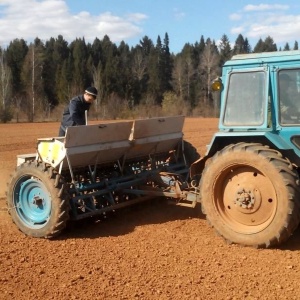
(289, 96)
(245, 101)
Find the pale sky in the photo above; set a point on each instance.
(130, 20)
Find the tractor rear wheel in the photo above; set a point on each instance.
(250, 195)
(36, 202)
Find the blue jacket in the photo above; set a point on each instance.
(74, 113)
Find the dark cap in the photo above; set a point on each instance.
(92, 91)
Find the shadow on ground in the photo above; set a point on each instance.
(124, 221)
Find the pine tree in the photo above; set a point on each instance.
(247, 47)
(286, 47)
(167, 65)
(225, 49)
(270, 45)
(239, 45)
(79, 52)
(202, 43)
(295, 46)
(146, 45)
(16, 53)
(96, 52)
(154, 86)
(187, 64)
(125, 80)
(110, 62)
(57, 55)
(267, 45)
(259, 47)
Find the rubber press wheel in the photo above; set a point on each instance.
(249, 195)
(35, 201)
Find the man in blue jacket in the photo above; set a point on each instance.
(74, 113)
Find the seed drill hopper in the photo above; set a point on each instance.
(99, 168)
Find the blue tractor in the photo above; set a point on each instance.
(249, 186)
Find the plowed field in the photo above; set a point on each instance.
(150, 251)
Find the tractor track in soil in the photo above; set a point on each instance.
(150, 251)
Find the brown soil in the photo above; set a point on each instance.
(150, 251)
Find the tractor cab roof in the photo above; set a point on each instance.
(264, 58)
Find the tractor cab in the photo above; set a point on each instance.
(260, 100)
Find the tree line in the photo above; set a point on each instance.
(38, 78)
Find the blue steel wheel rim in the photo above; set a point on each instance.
(32, 202)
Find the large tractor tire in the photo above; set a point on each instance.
(36, 201)
(250, 195)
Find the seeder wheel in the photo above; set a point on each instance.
(35, 201)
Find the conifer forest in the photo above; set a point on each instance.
(38, 78)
